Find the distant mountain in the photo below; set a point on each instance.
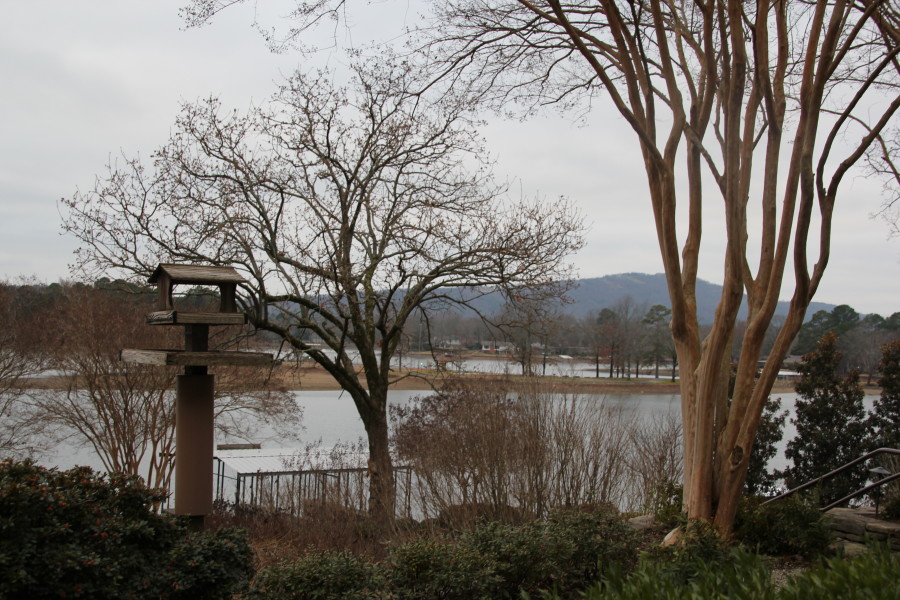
(597, 293)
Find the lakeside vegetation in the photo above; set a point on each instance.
(79, 535)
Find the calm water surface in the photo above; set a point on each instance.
(330, 417)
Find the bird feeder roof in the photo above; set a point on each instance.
(196, 274)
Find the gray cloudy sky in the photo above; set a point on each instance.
(83, 80)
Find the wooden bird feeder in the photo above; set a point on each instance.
(166, 277)
(196, 348)
(195, 389)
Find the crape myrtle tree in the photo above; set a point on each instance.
(759, 109)
(346, 208)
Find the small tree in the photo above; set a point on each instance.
(831, 424)
(529, 323)
(768, 434)
(23, 354)
(661, 344)
(885, 418)
(125, 412)
(347, 209)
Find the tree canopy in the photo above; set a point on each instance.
(347, 208)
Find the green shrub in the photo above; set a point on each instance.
(598, 536)
(666, 505)
(525, 557)
(786, 527)
(440, 570)
(891, 509)
(77, 534)
(700, 549)
(870, 576)
(740, 576)
(319, 576)
(209, 565)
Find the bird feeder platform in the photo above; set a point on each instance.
(180, 317)
(212, 358)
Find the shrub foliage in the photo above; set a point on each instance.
(77, 534)
(788, 526)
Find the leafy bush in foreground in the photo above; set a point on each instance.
(788, 526)
(319, 576)
(870, 576)
(77, 534)
(744, 576)
(439, 570)
(566, 553)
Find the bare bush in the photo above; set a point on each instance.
(479, 451)
(23, 355)
(125, 412)
(655, 459)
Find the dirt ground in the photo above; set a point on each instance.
(313, 377)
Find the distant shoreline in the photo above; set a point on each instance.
(313, 377)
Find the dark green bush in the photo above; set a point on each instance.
(209, 565)
(891, 509)
(739, 576)
(870, 576)
(319, 576)
(599, 537)
(786, 527)
(526, 558)
(440, 570)
(77, 534)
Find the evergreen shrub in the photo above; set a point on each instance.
(77, 534)
(787, 527)
(325, 575)
(744, 576)
(440, 570)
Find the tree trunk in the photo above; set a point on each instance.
(381, 469)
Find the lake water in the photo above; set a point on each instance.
(330, 416)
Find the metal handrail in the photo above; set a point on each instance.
(869, 487)
(839, 470)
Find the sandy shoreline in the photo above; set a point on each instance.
(314, 378)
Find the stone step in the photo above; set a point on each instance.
(859, 525)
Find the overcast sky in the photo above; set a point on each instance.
(84, 80)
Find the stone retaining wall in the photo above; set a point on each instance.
(860, 525)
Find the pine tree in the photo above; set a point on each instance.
(832, 428)
(771, 427)
(885, 419)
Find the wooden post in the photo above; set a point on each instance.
(194, 446)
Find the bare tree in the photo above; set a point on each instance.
(529, 322)
(346, 208)
(24, 353)
(126, 412)
(633, 334)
